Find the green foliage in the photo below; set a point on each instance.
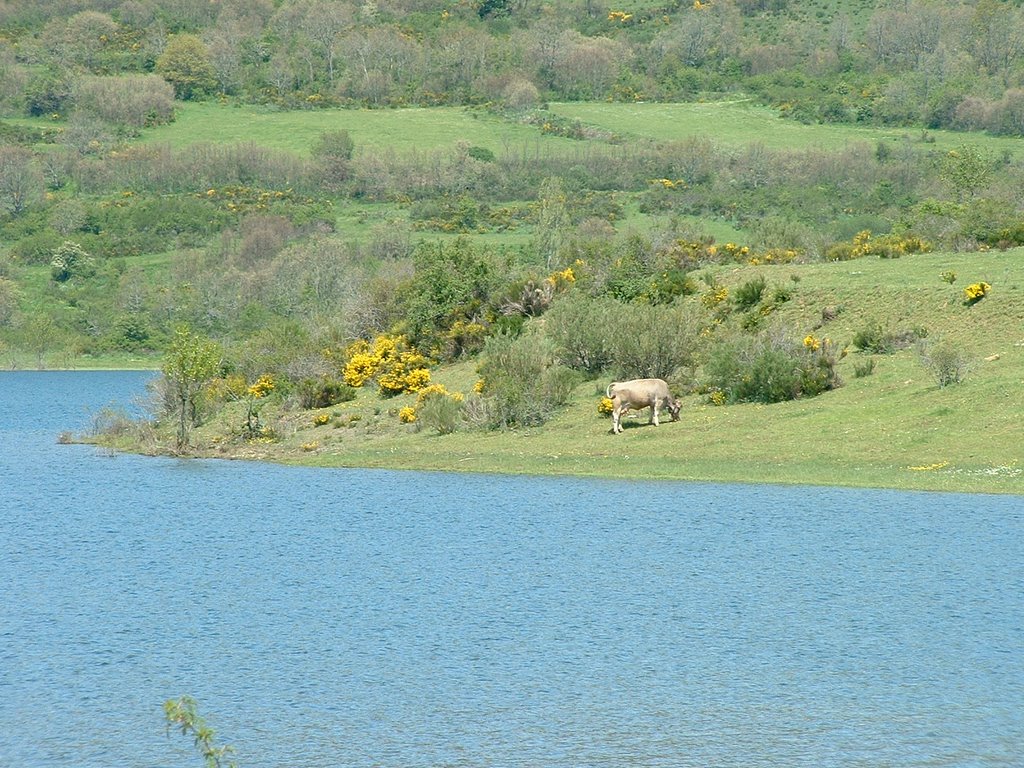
(656, 341)
(966, 170)
(185, 64)
(192, 361)
(748, 295)
(523, 382)
(771, 368)
(582, 329)
(323, 392)
(864, 368)
(876, 338)
(453, 281)
(332, 154)
(182, 715)
(946, 360)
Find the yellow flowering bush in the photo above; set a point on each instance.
(714, 296)
(605, 406)
(396, 366)
(262, 387)
(407, 415)
(320, 419)
(812, 342)
(975, 292)
(885, 247)
(230, 387)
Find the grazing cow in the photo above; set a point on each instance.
(638, 394)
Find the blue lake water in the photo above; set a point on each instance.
(371, 618)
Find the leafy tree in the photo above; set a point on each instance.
(71, 260)
(452, 281)
(185, 64)
(332, 154)
(967, 169)
(47, 93)
(192, 361)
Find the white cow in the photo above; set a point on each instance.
(638, 394)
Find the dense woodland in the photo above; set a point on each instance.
(110, 245)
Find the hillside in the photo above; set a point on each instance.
(892, 427)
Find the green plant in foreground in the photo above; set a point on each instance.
(182, 714)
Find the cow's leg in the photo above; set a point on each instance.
(616, 417)
(654, 413)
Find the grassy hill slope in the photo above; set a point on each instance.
(894, 428)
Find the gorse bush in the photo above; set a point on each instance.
(438, 409)
(975, 292)
(885, 247)
(389, 360)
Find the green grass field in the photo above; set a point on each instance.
(399, 130)
(729, 123)
(742, 122)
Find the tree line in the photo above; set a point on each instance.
(951, 65)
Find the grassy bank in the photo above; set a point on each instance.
(894, 428)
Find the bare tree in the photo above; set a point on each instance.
(21, 182)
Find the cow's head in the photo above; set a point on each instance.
(674, 407)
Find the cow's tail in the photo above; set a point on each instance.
(608, 390)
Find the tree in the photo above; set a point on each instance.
(71, 260)
(21, 183)
(185, 64)
(192, 361)
(333, 155)
(967, 169)
(552, 218)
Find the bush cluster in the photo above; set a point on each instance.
(771, 368)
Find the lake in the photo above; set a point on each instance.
(371, 618)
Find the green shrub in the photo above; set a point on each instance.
(771, 368)
(865, 368)
(523, 382)
(946, 360)
(579, 327)
(875, 339)
(749, 294)
(440, 412)
(655, 341)
(323, 393)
